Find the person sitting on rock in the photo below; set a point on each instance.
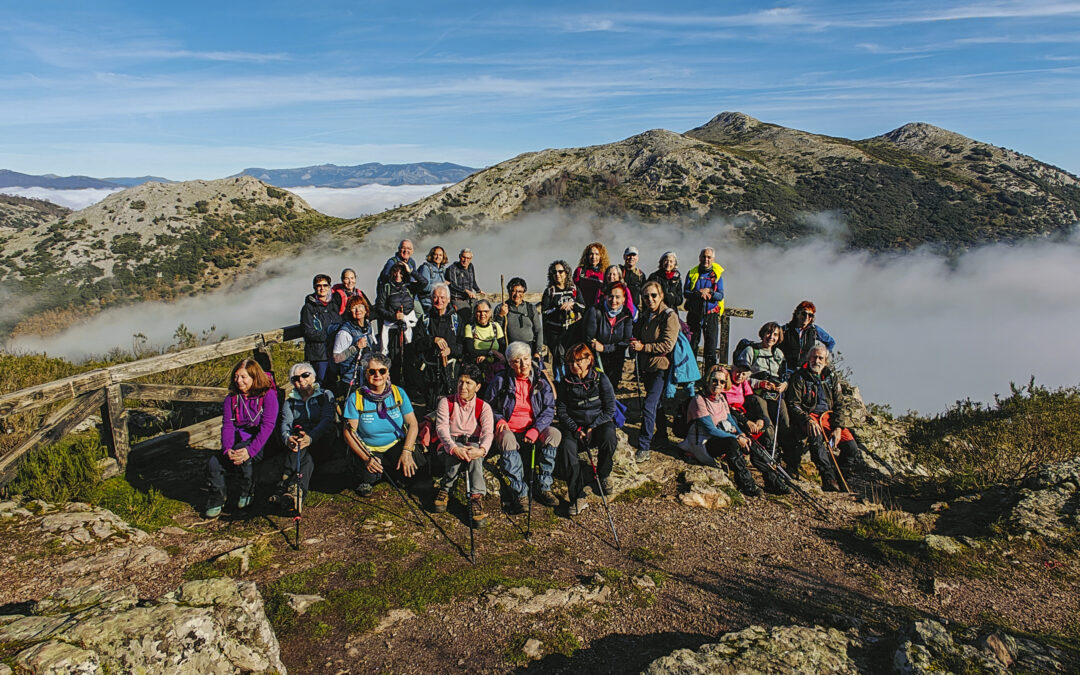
(801, 334)
(585, 410)
(715, 433)
(465, 426)
(768, 377)
(524, 406)
(818, 414)
(306, 430)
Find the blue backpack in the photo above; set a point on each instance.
(684, 368)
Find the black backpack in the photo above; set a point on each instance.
(743, 344)
(680, 426)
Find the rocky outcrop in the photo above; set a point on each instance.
(78, 523)
(705, 487)
(928, 647)
(760, 650)
(526, 601)
(1050, 501)
(209, 626)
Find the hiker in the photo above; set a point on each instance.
(818, 414)
(704, 294)
(632, 275)
(438, 343)
(319, 319)
(669, 277)
(521, 320)
(248, 419)
(307, 428)
(608, 328)
(395, 308)
(483, 340)
(524, 406)
(355, 338)
(714, 433)
(461, 276)
(346, 289)
(768, 378)
(801, 334)
(654, 339)
(563, 310)
(612, 275)
(747, 407)
(466, 427)
(429, 275)
(589, 275)
(585, 410)
(380, 415)
(402, 257)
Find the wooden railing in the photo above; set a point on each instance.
(105, 389)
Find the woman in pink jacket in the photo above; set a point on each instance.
(465, 426)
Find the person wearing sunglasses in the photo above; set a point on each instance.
(319, 319)
(632, 274)
(715, 432)
(306, 427)
(653, 340)
(380, 426)
(563, 310)
(801, 334)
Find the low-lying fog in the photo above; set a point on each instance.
(917, 332)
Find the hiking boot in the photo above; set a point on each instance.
(291, 499)
(751, 490)
(642, 456)
(243, 502)
(546, 498)
(830, 486)
(442, 500)
(364, 489)
(212, 512)
(579, 506)
(476, 510)
(518, 505)
(605, 483)
(779, 489)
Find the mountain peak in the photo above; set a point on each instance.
(920, 135)
(728, 127)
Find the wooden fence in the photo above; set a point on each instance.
(105, 389)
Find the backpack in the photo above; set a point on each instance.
(620, 414)
(396, 394)
(680, 426)
(743, 344)
(684, 368)
(331, 335)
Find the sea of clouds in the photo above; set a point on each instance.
(918, 330)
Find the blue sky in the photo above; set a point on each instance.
(203, 90)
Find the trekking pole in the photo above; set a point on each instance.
(791, 482)
(529, 488)
(502, 301)
(299, 497)
(386, 475)
(776, 430)
(468, 505)
(603, 497)
(840, 473)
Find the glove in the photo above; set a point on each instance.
(531, 435)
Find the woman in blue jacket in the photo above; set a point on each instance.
(609, 326)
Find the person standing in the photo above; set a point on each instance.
(632, 275)
(319, 319)
(704, 293)
(346, 289)
(461, 276)
(402, 257)
(521, 319)
(654, 338)
(563, 310)
(669, 277)
(608, 329)
(589, 275)
(429, 275)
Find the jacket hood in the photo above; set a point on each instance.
(313, 300)
(295, 395)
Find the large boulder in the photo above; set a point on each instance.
(78, 523)
(1049, 502)
(705, 487)
(759, 651)
(927, 647)
(208, 626)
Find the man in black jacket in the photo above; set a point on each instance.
(462, 279)
(438, 341)
(319, 319)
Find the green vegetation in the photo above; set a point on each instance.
(647, 490)
(975, 446)
(560, 642)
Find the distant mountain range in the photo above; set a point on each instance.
(331, 175)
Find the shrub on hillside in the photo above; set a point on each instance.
(976, 446)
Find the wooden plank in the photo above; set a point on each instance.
(59, 424)
(69, 387)
(117, 433)
(205, 434)
(174, 392)
(739, 312)
(725, 338)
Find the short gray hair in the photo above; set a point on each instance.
(710, 249)
(374, 357)
(464, 251)
(821, 347)
(517, 350)
(481, 301)
(669, 254)
(442, 287)
(302, 367)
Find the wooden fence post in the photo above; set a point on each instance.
(725, 335)
(116, 418)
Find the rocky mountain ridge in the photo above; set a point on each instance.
(17, 213)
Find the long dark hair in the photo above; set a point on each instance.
(260, 382)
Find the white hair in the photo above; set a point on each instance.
(517, 350)
(299, 368)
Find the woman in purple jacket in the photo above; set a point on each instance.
(247, 425)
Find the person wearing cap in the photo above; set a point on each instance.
(306, 428)
(801, 334)
(704, 293)
(521, 319)
(633, 277)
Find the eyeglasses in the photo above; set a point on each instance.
(652, 295)
(322, 285)
(302, 376)
(719, 380)
(376, 371)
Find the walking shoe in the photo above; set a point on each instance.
(751, 490)
(642, 456)
(580, 505)
(213, 512)
(546, 498)
(243, 502)
(442, 500)
(780, 489)
(364, 489)
(476, 510)
(606, 484)
(516, 506)
(830, 486)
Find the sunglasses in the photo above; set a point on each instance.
(302, 376)
(376, 371)
(805, 313)
(716, 380)
(560, 271)
(652, 295)
(322, 285)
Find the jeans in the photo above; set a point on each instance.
(508, 444)
(654, 392)
(710, 326)
(476, 475)
(604, 440)
(389, 461)
(218, 466)
(325, 373)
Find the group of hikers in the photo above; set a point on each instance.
(536, 384)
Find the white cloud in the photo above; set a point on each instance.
(363, 200)
(73, 199)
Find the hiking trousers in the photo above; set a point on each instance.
(288, 468)
(604, 440)
(728, 449)
(652, 407)
(217, 468)
(707, 326)
(511, 445)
